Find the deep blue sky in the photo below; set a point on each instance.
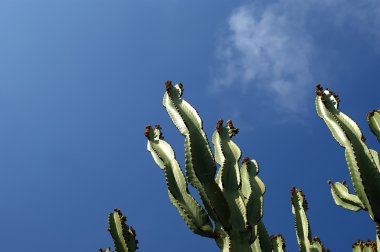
(79, 80)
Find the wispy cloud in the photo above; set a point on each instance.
(272, 47)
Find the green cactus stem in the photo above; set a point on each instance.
(362, 162)
(232, 196)
(373, 119)
(124, 236)
(299, 208)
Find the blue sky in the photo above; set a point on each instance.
(79, 80)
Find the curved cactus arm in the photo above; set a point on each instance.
(364, 173)
(278, 243)
(299, 207)
(252, 190)
(193, 214)
(229, 153)
(124, 236)
(200, 164)
(373, 119)
(344, 199)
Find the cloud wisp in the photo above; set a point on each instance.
(271, 48)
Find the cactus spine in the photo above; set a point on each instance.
(124, 236)
(232, 196)
(363, 163)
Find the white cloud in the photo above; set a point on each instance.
(272, 48)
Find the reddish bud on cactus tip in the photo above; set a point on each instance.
(157, 126)
(319, 90)
(168, 85)
(245, 160)
(219, 124)
(116, 209)
(180, 85)
(147, 132)
(292, 190)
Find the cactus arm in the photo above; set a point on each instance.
(373, 119)
(199, 160)
(193, 214)
(344, 199)
(230, 174)
(299, 207)
(229, 154)
(278, 243)
(124, 236)
(376, 158)
(252, 190)
(363, 171)
(263, 237)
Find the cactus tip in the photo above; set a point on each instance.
(292, 190)
(219, 124)
(319, 90)
(168, 86)
(329, 182)
(147, 132)
(246, 160)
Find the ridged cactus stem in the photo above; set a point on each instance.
(363, 163)
(232, 197)
(124, 236)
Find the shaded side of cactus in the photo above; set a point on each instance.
(363, 162)
(124, 236)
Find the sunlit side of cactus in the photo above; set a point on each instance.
(124, 236)
(363, 163)
(232, 196)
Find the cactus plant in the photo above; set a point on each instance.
(232, 196)
(363, 162)
(124, 236)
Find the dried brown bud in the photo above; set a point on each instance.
(147, 133)
(246, 160)
(168, 86)
(219, 125)
(292, 190)
(319, 90)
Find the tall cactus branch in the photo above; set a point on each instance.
(362, 162)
